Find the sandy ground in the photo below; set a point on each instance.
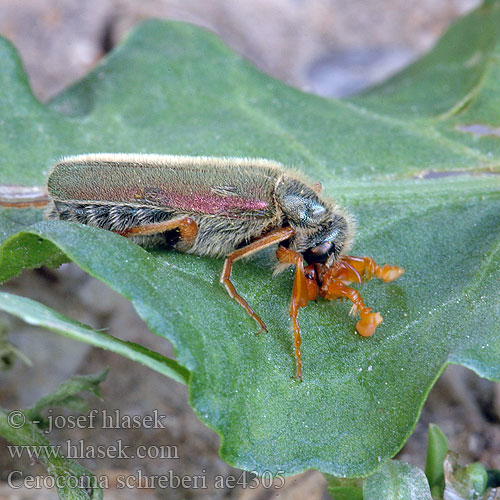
(327, 47)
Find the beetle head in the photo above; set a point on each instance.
(323, 231)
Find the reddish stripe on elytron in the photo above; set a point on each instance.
(204, 203)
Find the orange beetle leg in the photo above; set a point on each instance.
(187, 227)
(304, 289)
(334, 288)
(265, 241)
(311, 282)
(366, 267)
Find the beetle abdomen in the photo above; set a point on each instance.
(115, 218)
(111, 217)
(216, 237)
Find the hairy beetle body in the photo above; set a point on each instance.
(232, 200)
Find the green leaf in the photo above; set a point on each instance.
(37, 314)
(66, 473)
(465, 483)
(474, 476)
(446, 80)
(395, 481)
(437, 448)
(20, 427)
(67, 395)
(415, 181)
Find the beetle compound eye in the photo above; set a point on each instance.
(312, 211)
(320, 253)
(316, 210)
(303, 209)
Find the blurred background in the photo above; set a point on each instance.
(328, 47)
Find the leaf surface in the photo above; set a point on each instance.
(397, 480)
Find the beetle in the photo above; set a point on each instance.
(222, 207)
